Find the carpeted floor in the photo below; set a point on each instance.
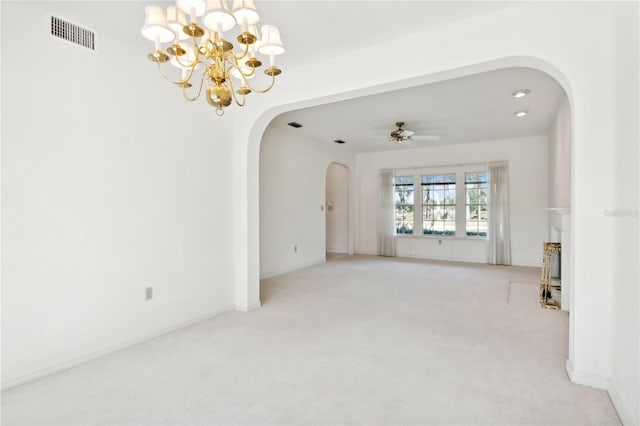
(358, 340)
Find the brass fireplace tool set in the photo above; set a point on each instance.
(550, 284)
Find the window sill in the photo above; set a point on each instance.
(441, 237)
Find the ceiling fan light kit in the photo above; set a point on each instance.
(204, 56)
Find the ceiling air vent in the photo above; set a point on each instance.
(340, 141)
(294, 124)
(73, 33)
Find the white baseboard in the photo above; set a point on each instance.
(57, 366)
(596, 381)
(621, 408)
(272, 274)
(367, 252)
(248, 308)
(587, 379)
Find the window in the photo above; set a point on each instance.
(439, 205)
(442, 201)
(476, 203)
(403, 200)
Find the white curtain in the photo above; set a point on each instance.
(499, 238)
(386, 222)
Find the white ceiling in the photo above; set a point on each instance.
(467, 109)
(315, 30)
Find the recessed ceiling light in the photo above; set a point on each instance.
(520, 113)
(294, 124)
(521, 93)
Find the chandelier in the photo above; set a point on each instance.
(204, 57)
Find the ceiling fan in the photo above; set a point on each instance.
(401, 135)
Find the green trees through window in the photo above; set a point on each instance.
(403, 200)
(446, 204)
(439, 205)
(476, 204)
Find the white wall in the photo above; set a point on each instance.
(560, 158)
(623, 214)
(292, 197)
(337, 217)
(103, 194)
(527, 159)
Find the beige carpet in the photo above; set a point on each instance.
(359, 340)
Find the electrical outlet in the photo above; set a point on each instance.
(295, 249)
(148, 293)
(440, 242)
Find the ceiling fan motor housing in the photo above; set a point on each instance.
(400, 134)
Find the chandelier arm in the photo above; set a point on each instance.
(234, 64)
(191, 99)
(207, 47)
(273, 82)
(182, 80)
(196, 60)
(192, 70)
(166, 77)
(249, 74)
(234, 94)
(185, 65)
(246, 51)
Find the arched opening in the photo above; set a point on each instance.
(337, 211)
(247, 292)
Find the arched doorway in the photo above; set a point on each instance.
(247, 292)
(248, 267)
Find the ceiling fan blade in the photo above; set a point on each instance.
(425, 138)
(406, 133)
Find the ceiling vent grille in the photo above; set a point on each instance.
(73, 33)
